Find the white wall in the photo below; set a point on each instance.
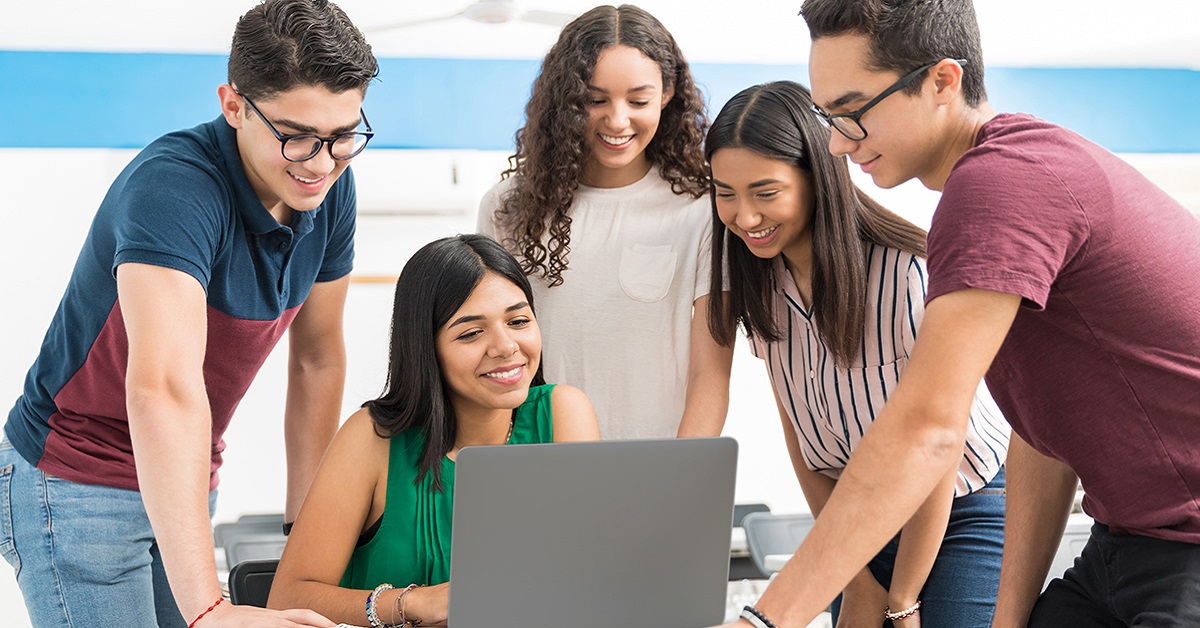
(407, 199)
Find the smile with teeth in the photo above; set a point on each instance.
(615, 140)
(509, 374)
(305, 180)
(758, 235)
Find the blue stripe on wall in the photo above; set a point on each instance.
(106, 100)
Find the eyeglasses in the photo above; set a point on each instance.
(850, 124)
(305, 146)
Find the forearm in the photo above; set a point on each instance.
(892, 472)
(709, 365)
(920, 541)
(1040, 491)
(314, 401)
(172, 444)
(706, 405)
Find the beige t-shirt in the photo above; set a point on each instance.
(619, 325)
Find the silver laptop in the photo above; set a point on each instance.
(592, 535)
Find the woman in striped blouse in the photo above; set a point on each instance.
(830, 288)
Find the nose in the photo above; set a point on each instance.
(746, 217)
(322, 162)
(839, 144)
(502, 345)
(618, 116)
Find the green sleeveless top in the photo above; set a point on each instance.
(412, 543)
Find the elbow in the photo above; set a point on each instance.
(940, 434)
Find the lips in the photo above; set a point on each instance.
(505, 375)
(615, 141)
(306, 182)
(869, 165)
(762, 237)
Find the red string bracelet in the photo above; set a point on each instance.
(206, 611)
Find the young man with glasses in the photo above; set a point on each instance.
(1062, 274)
(209, 245)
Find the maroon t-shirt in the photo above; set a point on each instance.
(1101, 368)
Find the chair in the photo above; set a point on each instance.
(250, 582)
(1075, 536)
(242, 548)
(251, 537)
(773, 539)
(740, 565)
(247, 524)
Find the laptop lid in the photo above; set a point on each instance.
(592, 535)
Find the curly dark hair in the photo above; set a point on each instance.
(552, 150)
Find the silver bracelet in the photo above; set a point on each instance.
(372, 614)
(908, 612)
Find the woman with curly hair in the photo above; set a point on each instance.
(603, 204)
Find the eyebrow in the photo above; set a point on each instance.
(478, 317)
(845, 99)
(304, 128)
(641, 88)
(757, 184)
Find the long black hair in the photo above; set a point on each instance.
(774, 120)
(435, 282)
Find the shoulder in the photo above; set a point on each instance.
(574, 417)
(358, 440)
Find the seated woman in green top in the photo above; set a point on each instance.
(464, 370)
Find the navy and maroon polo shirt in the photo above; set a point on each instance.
(183, 203)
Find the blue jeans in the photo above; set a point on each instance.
(1124, 580)
(961, 589)
(84, 555)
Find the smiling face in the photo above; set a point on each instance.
(490, 349)
(766, 202)
(280, 184)
(901, 143)
(625, 101)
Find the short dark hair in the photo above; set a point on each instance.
(907, 34)
(774, 120)
(282, 44)
(435, 282)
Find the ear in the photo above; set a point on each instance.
(947, 80)
(232, 105)
(668, 94)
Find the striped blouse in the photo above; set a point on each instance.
(831, 407)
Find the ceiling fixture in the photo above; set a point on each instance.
(489, 12)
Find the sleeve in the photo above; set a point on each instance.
(170, 213)
(704, 254)
(1005, 223)
(914, 303)
(343, 217)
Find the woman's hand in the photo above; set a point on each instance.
(863, 602)
(912, 621)
(429, 604)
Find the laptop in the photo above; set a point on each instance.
(592, 535)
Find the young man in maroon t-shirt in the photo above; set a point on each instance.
(1062, 274)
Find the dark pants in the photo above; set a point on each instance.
(960, 591)
(1124, 580)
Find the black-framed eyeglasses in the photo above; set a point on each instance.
(305, 146)
(850, 124)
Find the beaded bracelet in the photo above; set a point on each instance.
(908, 612)
(206, 611)
(756, 617)
(372, 615)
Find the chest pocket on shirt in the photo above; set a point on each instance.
(646, 271)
